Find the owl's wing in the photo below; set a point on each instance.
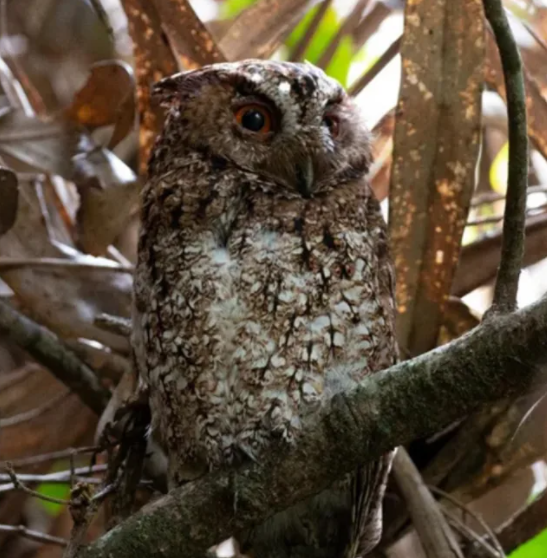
(368, 485)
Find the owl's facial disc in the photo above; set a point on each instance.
(288, 124)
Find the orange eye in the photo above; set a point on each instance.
(254, 118)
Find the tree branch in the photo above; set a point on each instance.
(512, 251)
(436, 537)
(408, 401)
(48, 350)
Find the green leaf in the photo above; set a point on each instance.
(53, 490)
(339, 65)
(230, 8)
(324, 34)
(534, 548)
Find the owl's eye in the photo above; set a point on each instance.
(332, 123)
(254, 118)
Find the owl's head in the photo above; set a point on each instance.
(289, 124)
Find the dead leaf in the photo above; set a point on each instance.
(536, 104)
(43, 145)
(66, 303)
(9, 194)
(259, 30)
(436, 146)
(106, 98)
(108, 187)
(109, 193)
(154, 60)
(37, 385)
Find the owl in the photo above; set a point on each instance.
(263, 285)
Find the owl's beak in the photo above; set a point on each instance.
(305, 177)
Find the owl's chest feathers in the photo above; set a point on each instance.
(261, 312)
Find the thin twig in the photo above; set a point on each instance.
(471, 513)
(14, 420)
(530, 30)
(53, 456)
(512, 251)
(465, 530)
(114, 324)
(103, 17)
(48, 350)
(497, 218)
(491, 197)
(436, 537)
(302, 45)
(60, 263)
(83, 508)
(57, 477)
(33, 535)
(21, 486)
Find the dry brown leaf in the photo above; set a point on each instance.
(33, 437)
(106, 98)
(66, 302)
(154, 60)
(436, 145)
(188, 35)
(44, 145)
(258, 31)
(108, 187)
(535, 102)
(109, 193)
(9, 194)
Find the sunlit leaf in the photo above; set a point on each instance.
(499, 170)
(231, 8)
(53, 490)
(338, 67)
(534, 548)
(325, 32)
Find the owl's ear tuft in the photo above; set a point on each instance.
(165, 92)
(175, 89)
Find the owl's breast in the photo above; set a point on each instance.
(246, 338)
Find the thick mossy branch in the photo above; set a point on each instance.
(47, 349)
(512, 250)
(408, 401)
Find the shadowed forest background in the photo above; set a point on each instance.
(76, 128)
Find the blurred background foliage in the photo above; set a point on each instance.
(72, 156)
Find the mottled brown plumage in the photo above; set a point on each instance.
(263, 284)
